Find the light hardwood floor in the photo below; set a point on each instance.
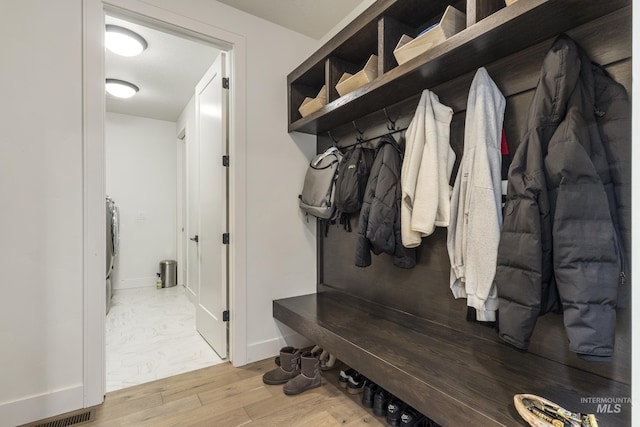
(222, 395)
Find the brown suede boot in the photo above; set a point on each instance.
(289, 367)
(309, 376)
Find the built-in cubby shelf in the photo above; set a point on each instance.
(493, 31)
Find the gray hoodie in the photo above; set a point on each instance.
(476, 216)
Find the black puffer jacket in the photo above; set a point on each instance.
(561, 246)
(379, 224)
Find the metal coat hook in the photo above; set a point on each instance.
(392, 123)
(335, 141)
(360, 135)
(356, 127)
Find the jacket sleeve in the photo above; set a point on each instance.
(584, 252)
(524, 252)
(455, 233)
(363, 246)
(432, 194)
(615, 126)
(414, 147)
(383, 216)
(363, 251)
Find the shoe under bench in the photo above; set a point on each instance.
(453, 377)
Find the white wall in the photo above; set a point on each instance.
(41, 184)
(141, 179)
(346, 20)
(41, 248)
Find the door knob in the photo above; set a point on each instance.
(194, 238)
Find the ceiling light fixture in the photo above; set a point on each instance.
(120, 88)
(123, 41)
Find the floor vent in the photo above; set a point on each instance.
(70, 420)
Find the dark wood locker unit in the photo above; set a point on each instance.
(402, 328)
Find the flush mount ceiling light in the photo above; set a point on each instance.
(123, 41)
(120, 88)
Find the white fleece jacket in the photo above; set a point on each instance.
(426, 170)
(476, 215)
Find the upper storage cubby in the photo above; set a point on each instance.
(490, 30)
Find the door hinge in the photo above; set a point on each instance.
(225, 238)
(225, 316)
(225, 160)
(225, 82)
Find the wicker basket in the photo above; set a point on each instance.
(311, 105)
(452, 22)
(349, 83)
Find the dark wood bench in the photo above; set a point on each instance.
(454, 378)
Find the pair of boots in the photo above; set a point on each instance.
(327, 360)
(298, 371)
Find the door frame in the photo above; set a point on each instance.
(181, 206)
(93, 175)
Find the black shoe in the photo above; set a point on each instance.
(428, 422)
(369, 391)
(380, 402)
(343, 379)
(356, 383)
(411, 418)
(394, 412)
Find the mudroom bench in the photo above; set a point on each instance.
(402, 328)
(455, 378)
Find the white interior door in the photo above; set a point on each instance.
(211, 125)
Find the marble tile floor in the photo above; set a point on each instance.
(151, 334)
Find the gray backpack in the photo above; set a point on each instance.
(319, 185)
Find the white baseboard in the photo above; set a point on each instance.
(270, 348)
(39, 407)
(193, 297)
(140, 282)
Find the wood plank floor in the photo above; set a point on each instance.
(222, 395)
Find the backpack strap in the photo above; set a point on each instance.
(345, 220)
(328, 152)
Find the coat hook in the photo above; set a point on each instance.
(360, 136)
(335, 141)
(392, 123)
(356, 128)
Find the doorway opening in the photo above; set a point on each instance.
(153, 167)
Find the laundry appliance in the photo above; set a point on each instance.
(113, 241)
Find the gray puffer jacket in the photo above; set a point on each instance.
(567, 216)
(379, 224)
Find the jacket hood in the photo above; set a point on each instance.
(562, 66)
(483, 91)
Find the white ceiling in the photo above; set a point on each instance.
(313, 18)
(166, 73)
(169, 69)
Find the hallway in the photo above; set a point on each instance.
(151, 334)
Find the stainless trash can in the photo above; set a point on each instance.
(168, 273)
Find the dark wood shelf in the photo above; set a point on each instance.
(502, 33)
(455, 378)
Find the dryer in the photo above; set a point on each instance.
(113, 241)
